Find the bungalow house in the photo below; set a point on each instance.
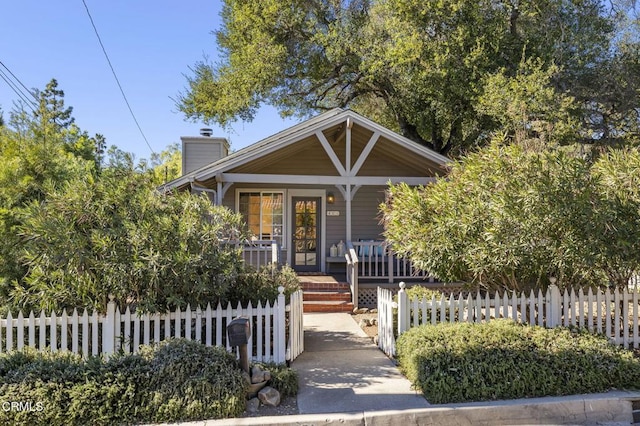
(313, 191)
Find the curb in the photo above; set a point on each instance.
(612, 408)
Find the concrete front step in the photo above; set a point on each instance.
(327, 306)
(319, 296)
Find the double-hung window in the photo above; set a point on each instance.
(264, 214)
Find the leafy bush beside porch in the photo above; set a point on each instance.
(508, 217)
(500, 359)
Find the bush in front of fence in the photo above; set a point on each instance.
(283, 378)
(177, 380)
(501, 359)
(261, 285)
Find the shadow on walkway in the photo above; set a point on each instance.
(341, 371)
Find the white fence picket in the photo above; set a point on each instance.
(63, 331)
(636, 332)
(187, 323)
(259, 331)
(32, 328)
(208, 319)
(9, 335)
(198, 324)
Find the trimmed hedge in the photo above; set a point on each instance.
(176, 380)
(500, 359)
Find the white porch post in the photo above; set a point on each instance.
(348, 170)
(219, 194)
(348, 200)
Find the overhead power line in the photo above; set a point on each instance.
(11, 80)
(95, 29)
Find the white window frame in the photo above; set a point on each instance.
(261, 191)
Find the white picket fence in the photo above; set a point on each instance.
(614, 313)
(276, 334)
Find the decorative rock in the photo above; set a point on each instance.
(374, 311)
(269, 396)
(258, 377)
(246, 377)
(360, 310)
(267, 376)
(364, 322)
(253, 404)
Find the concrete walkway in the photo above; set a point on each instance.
(346, 381)
(341, 371)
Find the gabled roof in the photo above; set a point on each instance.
(297, 133)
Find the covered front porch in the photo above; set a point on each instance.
(365, 265)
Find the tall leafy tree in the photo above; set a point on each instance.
(167, 165)
(39, 152)
(419, 67)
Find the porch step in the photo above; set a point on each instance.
(326, 296)
(324, 286)
(327, 306)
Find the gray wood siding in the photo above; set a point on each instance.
(336, 225)
(364, 213)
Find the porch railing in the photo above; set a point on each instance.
(352, 271)
(258, 253)
(377, 261)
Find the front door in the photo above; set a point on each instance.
(305, 238)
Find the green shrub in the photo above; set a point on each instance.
(191, 381)
(422, 292)
(177, 380)
(262, 285)
(283, 378)
(503, 360)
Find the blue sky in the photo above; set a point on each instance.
(151, 45)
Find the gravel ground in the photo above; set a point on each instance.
(288, 407)
(372, 330)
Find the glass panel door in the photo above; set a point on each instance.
(305, 235)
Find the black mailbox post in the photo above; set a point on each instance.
(239, 332)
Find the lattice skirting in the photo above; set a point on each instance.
(368, 296)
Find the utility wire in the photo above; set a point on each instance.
(20, 82)
(115, 76)
(12, 86)
(23, 97)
